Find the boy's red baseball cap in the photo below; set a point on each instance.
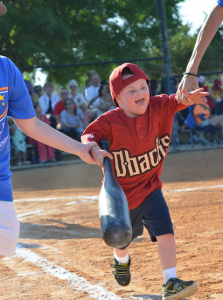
(117, 84)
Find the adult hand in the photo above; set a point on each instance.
(196, 97)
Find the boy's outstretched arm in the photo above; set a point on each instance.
(45, 134)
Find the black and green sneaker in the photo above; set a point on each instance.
(122, 272)
(176, 289)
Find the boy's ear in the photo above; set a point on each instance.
(118, 99)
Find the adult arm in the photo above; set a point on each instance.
(204, 38)
(49, 136)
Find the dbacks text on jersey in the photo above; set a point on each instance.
(136, 165)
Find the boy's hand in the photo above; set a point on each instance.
(84, 152)
(99, 155)
(194, 97)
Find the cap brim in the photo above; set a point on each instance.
(3, 9)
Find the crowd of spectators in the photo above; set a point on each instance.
(71, 111)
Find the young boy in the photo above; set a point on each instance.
(139, 131)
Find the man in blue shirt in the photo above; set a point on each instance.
(15, 102)
(204, 38)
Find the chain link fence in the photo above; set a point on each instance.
(75, 45)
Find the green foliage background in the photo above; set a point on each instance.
(53, 32)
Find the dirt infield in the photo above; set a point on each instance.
(60, 254)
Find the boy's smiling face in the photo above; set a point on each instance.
(134, 98)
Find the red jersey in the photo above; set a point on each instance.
(139, 145)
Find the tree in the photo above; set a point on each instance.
(53, 32)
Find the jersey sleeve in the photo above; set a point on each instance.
(169, 105)
(220, 2)
(98, 130)
(20, 103)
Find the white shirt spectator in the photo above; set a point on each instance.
(44, 102)
(92, 92)
(79, 99)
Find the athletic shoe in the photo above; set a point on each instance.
(176, 289)
(122, 272)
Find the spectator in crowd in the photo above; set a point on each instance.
(19, 143)
(219, 105)
(48, 102)
(89, 114)
(59, 107)
(88, 81)
(45, 152)
(202, 116)
(77, 98)
(211, 98)
(92, 91)
(39, 91)
(105, 82)
(30, 89)
(70, 121)
(102, 103)
(217, 89)
(154, 86)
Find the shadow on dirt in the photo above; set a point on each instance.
(149, 297)
(152, 297)
(62, 231)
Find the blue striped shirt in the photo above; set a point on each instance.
(220, 2)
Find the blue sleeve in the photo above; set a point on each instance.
(220, 2)
(20, 104)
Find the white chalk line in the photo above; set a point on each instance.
(194, 189)
(56, 198)
(29, 213)
(93, 198)
(77, 282)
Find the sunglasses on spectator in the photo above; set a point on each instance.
(63, 93)
(73, 86)
(40, 90)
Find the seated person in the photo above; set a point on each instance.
(217, 89)
(89, 114)
(71, 122)
(48, 102)
(211, 98)
(19, 143)
(59, 107)
(203, 117)
(219, 105)
(45, 152)
(91, 92)
(39, 91)
(77, 98)
(104, 102)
